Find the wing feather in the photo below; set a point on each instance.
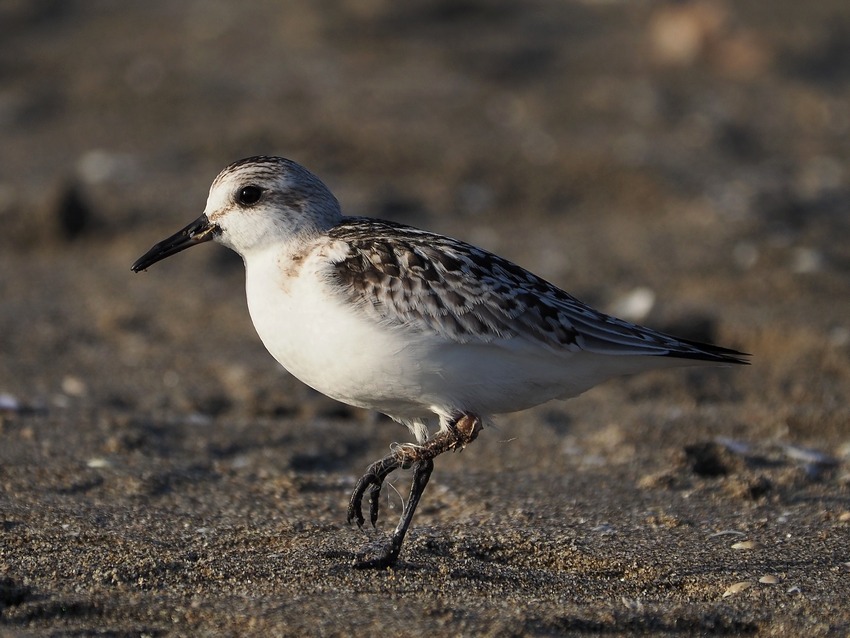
(403, 276)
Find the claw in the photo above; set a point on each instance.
(374, 502)
(372, 481)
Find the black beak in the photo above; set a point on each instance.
(197, 232)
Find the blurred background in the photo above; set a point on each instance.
(682, 164)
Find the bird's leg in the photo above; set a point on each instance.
(387, 553)
(457, 435)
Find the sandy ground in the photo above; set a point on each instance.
(684, 165)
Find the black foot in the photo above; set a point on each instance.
(385, 554)
(456, 436)
(377, 555)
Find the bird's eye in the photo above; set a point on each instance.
(249, 195)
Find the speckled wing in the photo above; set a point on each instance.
(403, 276)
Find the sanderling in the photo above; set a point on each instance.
(426, 329)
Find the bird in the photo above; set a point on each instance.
(435, 333)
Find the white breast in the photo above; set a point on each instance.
(324, 343)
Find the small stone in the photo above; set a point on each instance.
(73, 386)
(810, 456)
(679, 34)
(737, 588)
(659, 480)
(8, 403)
(806, 260)
(634, 305)
(769, 579)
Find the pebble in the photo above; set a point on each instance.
(806, 260)
(99, 166)
(737, 588)
(8, 403)
(73, 386)
(769, 579)
(736, 447)
(679, 34)
(634, 305)
(806, 455)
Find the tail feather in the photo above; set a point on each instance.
(708, 352)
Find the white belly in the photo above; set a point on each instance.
(329, 346)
